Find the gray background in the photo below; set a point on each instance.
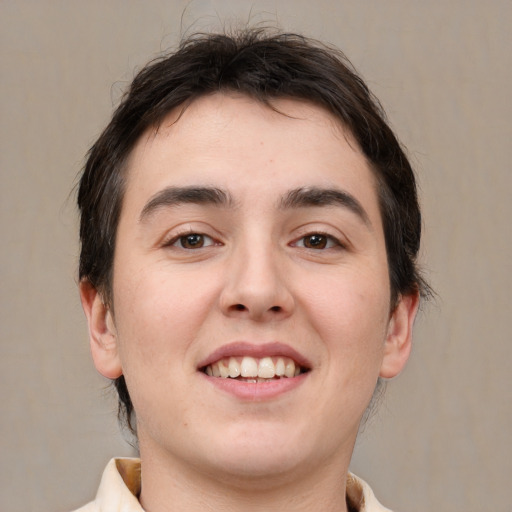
(442, 438)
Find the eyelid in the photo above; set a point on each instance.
(177, 241)
(333, 242)
(333, 232)
(173, 239)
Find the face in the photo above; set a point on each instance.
(251, 301)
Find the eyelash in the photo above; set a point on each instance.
(178, 241)
(180, 238)
(330, 241)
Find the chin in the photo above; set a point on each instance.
(256, 470)
(259, 454)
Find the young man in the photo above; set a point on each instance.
(249, 229)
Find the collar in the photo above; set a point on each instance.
(121, 483)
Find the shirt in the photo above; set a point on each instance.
(120, 486)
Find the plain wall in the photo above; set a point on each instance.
(441, 440)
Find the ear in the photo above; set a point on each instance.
(398, 342)
(102, 332)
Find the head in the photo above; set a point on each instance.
(265, 68)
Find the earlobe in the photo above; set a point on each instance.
(398, 342)
(102, 332)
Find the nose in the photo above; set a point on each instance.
(256, 286)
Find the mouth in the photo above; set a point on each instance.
(253, 369)
(246, 362)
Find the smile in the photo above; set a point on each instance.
(253, 369)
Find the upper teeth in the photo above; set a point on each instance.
(250, 367)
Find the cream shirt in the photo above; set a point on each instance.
(120, 486)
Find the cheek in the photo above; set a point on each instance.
(351, 313)
(158, 314)
(350, 316)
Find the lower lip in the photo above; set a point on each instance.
(257, 391)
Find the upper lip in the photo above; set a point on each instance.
(258, 351)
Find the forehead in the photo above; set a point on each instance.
(244, 145)
(214, 119)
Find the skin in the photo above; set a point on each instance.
(258, 278)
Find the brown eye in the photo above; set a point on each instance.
(193, 241)
(315, 241)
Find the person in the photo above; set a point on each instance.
(249, 235)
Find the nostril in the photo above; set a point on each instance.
(255, 311)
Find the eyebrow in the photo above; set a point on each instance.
(302, 197)
(175, 196)
(312, 197)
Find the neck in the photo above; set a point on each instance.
(168, 485)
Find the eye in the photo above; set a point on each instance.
(192, 241)
(317, 241)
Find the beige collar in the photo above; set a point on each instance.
(120, 486)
